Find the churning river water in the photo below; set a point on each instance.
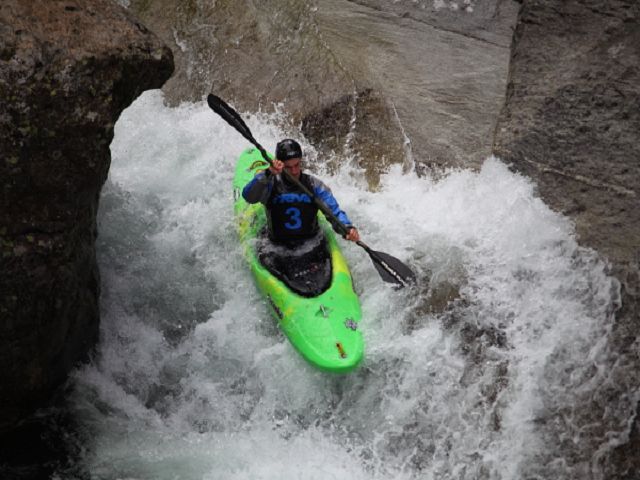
(481, 372)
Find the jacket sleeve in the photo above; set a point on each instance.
(322, 192)
(259, 188)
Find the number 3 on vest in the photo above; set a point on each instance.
(295, 222)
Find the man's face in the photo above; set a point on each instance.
(293, 166)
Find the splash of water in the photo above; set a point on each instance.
(463, 376)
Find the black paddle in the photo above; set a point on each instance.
(391, 269)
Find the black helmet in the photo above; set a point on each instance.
(288, 149)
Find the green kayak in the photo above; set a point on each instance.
(321, 321)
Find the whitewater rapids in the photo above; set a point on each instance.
(193, 380)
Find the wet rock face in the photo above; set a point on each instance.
(572, 122)
(67, 70)
(267, 55)
(359, 76)
(442, 65)
(489, 21)
(253, 54)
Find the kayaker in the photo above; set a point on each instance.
(291, 213)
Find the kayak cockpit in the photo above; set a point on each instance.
(305, 267)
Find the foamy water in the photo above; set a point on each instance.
(193, 379)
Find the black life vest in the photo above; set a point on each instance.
(291, 213)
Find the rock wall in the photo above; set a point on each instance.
(572, 123)
(67, 70)
(441, 65)
(359, 78)
(267, 55)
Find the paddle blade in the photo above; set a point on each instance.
(392, 270)
(229, 115)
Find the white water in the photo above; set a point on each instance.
(193, 380)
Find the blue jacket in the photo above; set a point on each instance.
(291, 214)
